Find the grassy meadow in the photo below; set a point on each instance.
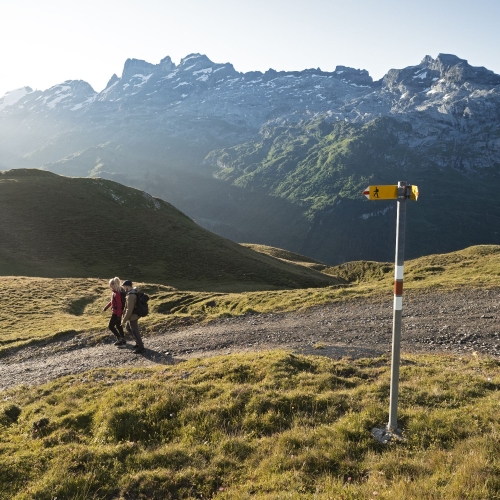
(271, 425)
(43, 308)
(268, 425)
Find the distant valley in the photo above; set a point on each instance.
(281, 158)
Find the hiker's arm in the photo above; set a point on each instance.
(107, 306)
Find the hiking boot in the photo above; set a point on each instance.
(120, 342)
(139, 349)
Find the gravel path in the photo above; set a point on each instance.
(462, 321)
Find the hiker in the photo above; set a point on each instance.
(116, 303)
(130, 318)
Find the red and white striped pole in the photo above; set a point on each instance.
(392, 426)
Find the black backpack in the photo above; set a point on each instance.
(141, 304)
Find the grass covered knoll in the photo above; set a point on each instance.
(286, 256)
(474, 266)
(53, 226)
(42, 308)
(269, 425)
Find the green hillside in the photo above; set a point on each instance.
(313, 164)
(53, 226)
(230, 211)
(323, 167)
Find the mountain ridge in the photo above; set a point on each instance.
(212, 140)
(448, 66)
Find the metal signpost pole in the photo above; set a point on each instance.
(401, 193)
(392, 426)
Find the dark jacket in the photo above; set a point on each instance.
(128, 313)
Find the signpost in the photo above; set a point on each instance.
(401, 193)
(381, 192)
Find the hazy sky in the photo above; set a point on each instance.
(43, 43)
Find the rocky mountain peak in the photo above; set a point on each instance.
(443, 61)
(447, 71)
(195, 62)
(166, 64)
(195, 58)
(137, 66)
(455, 70)
(192, 62)
(76, 86)
(112, 81)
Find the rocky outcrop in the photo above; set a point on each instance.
(351, 75)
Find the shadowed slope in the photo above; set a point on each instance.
(52, 226)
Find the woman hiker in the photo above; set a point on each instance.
(116, 304)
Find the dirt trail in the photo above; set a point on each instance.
(433, 321)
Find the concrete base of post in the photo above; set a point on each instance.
(385, 436)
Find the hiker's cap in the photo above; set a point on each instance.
(127, 283)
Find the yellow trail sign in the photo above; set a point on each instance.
(381, 192)
(413, 194)
(389, 192)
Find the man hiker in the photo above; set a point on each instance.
(130, 319)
